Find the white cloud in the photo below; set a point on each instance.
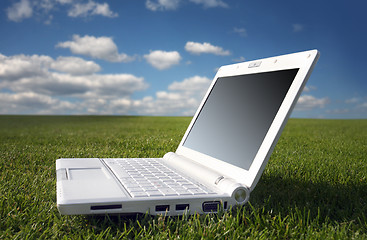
(29, 84)
(91, 8)
(309, 88)
(338, 111)
(240, 59)
(45, 5)
(306, 89)
(32, 103)
(354, 107)
(182, 98)
(352, 100)
(86, 86)
(96, 47)
(210, 3)
(308, 102)
(49, 20)
(191, 85)
(163, 60)
(363, 106)
(162, 5)
(357, 104)
(199, 48)
(20, 66)
(75, 66)
(19, 11)
(115, 84)
(297, 27)
(241, 31)
(43, 9)
(64, 1)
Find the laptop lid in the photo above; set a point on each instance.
(239, 121)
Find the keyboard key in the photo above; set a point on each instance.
(167, 191)
(154, 193)
(196, 191)
(164, 179)
(184, 192)
(131, 185)
(128, 181)
(167, 181)
(145, 184)
(150, 188)
(182, 181)
(173, 184)
(136, 189)
(191, 186)
(139, 194)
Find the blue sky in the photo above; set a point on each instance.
(157, 57)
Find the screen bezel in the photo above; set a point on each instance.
(305, 62)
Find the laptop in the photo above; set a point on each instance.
(219, 159)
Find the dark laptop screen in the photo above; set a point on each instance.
(237, 115)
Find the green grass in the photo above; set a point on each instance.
(314, 187)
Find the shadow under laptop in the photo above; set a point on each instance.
(136, 225)
(273, 196)
(322, 200)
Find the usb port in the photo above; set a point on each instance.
(162, 208)
(212, 206)
(181, 207)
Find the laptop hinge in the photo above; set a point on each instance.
(204, 174)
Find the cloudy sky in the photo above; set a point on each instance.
(157, 57)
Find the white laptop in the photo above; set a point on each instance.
(219, 160)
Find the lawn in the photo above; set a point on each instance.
(314, 186)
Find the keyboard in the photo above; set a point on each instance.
(149, 177)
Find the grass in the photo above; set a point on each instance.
(314, 187)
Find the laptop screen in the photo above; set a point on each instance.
(237, 114)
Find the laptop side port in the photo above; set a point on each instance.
(162, 208)
(212, 206)
(106, 207)
(182, 207)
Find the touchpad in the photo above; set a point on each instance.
(87, 173)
